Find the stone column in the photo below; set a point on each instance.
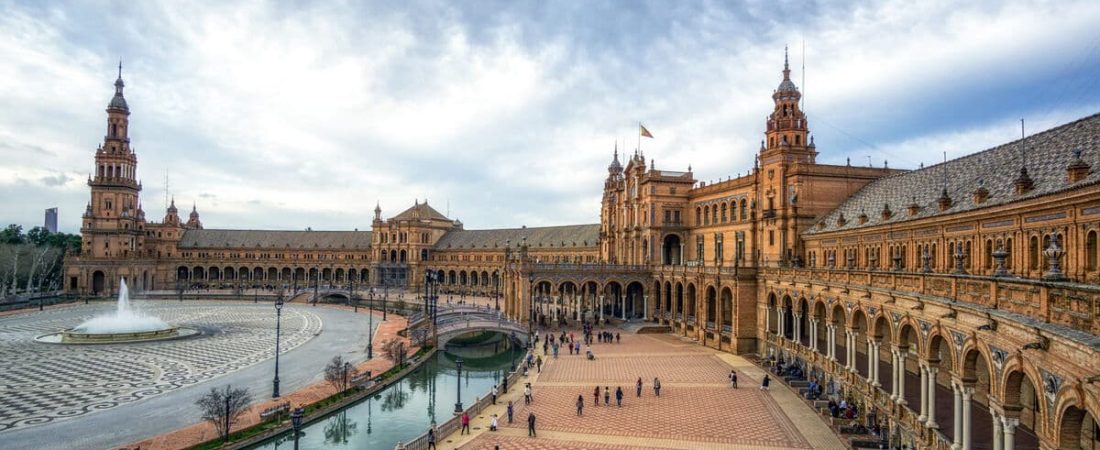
(932, 397)
(998, 429)
(852, 351)
(873, 359)
(767, 320)
(645, 307)
(894, 374)
(901, 378)
(798, 328)
(1010, 424)
(813, 334)
(830, 335)
(923, 393)
(779, 323)
(967, 392)
(958, 415)
(601, 308)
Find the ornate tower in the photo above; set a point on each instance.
(610, 217)
(113, 222)
(787, 133)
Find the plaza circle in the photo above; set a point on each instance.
(45, 383)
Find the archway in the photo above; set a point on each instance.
(1022, 397)
(99, 281)
(1077, 429)
(908, 347)
(727, 310)
(940, 394)
(679, 301)
(692, 309)
(859, 332)
(818, 328)
(670, 250)
(977, 374)
(712, 308)
(635, 301)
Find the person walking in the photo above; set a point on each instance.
(493, 422)
(531, 424)
(511, 410)
(733, 379)
(764, 384)
(538, 364)
(465, 424)
(596, 396)
(618, 338)
(607, 395)
(657, 386)
(619, 396)
(638, 387)
(580, 404)
(431, 437)
(527, 394)
(495, 392)
(504, 383)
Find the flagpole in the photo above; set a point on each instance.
(639, 137)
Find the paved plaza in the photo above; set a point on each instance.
(696, 410)
(47, 391)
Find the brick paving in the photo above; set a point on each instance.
(697, 408)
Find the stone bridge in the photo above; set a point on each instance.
(455, 320)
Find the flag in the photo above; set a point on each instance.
(644, 132)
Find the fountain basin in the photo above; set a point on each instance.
(71, 336)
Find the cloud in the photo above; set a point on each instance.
(285, 116)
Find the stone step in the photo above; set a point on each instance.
(798, 383)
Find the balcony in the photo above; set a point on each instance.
(767, 214)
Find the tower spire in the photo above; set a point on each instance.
(786, 64)
(120, 68)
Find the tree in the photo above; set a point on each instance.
(395, 351)
(38, 236)
(224, 407)
(338, 372)
(13, 234)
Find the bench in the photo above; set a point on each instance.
(274, 411)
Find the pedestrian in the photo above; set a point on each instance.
(504, 383)
(531, 424)
(580, 404)
(538, 364)
(495, 392)
(607, 395)
(733, 378)
(493, 423)
(596, 396)
(638, 385)
(764, 384)
(511, 410)
(431, 437)
(619, 396)
(618, 338)
(555, 349)
(657, 386)
(527, 394)
(465, 424)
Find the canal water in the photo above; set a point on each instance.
(405, 409)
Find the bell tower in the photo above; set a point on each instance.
(787, 133)
(112, 225)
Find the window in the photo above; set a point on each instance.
(771, 237)
(1033, 253)
(724, 213)
(744, 216)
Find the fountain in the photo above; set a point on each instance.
(123, 325)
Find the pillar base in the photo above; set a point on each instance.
(932, 425)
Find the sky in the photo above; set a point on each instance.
(295, 114)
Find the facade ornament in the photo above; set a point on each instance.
(1051, 384)
(959, 339)
(871, 311)
(999, 357)
(896, 317)
(960, 259)
(1054, 254)
(924, 327)
(999, 255)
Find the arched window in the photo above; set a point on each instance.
(698, 216)
(798, 140)
(1090, 251)
(706, 215)
(988, 256)
(744, 214)
(724, 217)
(114, 130)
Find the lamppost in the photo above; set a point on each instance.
(296, 422)
(351, 289)
(496, 291)
(316, 284)
(458, 400)
(385, 295)
(370, 326)
(531, 308)
(278, 323)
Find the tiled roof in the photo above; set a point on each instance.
(261, 239)
(540, 237)
(1049, 154)
(420, 211)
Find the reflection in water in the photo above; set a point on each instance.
(407, 407)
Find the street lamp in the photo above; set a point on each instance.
(531, 308)
(385, 295)
(458, 400)
(296, 422)
(370, 326)
(496, 291)
(278, 323)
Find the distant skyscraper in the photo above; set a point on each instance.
(51, 220)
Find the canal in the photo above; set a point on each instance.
(405, 409)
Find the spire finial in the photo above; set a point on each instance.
(120, 68)
(786, 64)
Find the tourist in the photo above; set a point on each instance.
(527, 394)
(495, 392)
(764, 384)
(511, 410)
(638, 387)
(596, 396)
(607, 395)
(618, 338)
(465, 424)
(504, 383)
(619, 396)
(555, 349)
(657, 386)
(538, 364)
(493, 422)
(733, 378)
(580, 404)
(431, 437)
(531, 424)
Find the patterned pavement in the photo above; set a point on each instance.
(44, 383)
(696, 410)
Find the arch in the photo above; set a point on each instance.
(691, 305)
(272, 274)
(1022, 394)
(668, 297)
(860, 326)
(214, 273)
(788, 317)
(299, 274)
(1090, 250)
(198, 273)
(258, 273)
(1076, 428)
(285, 274)
(679, 300)
(671, 250)
(99, 282)
(393, 256)
(712, 306)
(744, 213)
(404, 256)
